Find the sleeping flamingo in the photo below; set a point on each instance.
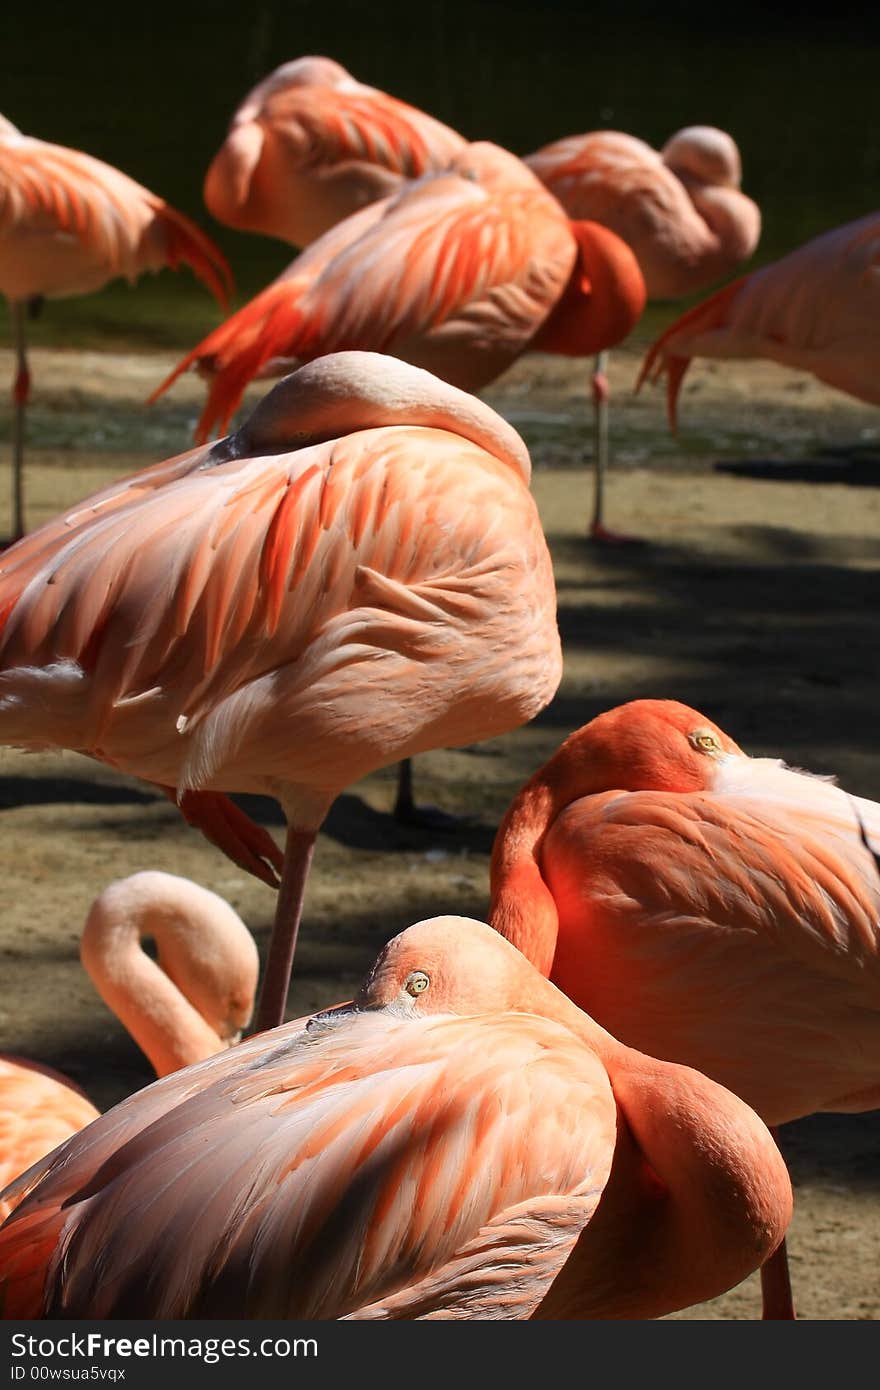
(816, 309)
(680, 209)
(461, 272)
(706, 907)
(310, 145)
(462, 1142)
(68, 224)
(358, 574)
(190, 1003)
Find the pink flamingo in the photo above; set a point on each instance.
(310, 145)
(680, 209)
(816, 309)
(68, 224)
(356, 575)
(707, 907)
(395, 1159)
(461, 272)
(190, 1003)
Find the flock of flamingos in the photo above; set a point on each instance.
(561, 1112)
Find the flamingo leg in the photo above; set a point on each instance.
(406, 812)
(298, 851)
(778, 1303)
(20, 393)
(599, 384)
(599, 532)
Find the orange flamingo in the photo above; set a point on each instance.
(816, 309)
(356, 575)
(39, 1109)
(462, 272)
(310, 145)
(680, 209)
(68, 224)
(707, 907)
(191, 1003)
(394, 1160)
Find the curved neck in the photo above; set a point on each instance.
(603, 300)
(522, 908)
(143, 995)
(698, 1198)
(733, 220)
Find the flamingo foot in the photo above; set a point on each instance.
(601, 535)
(223, 823)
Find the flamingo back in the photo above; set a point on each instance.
(38, 1111)
(704, 927)
(370, 597)
(69, 223)
(343, 1181)
(816, 309)
(310, 146)
(455, 274)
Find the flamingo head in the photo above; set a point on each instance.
(644, 745)
(449, 965)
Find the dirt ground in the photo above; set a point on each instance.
(753, 597)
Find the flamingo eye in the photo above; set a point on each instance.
(417, 983)
(706, 742)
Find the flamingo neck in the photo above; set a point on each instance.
(522, 906)
(698, 1197)
(733, 220)
(603, 300)
(148, 997)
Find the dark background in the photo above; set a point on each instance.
(151, 88)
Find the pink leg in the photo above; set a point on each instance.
(776, 1281)
(599, 532)
(276, 978)
(20, 392)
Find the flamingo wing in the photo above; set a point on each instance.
(38, 1111)
(326, 126)
(456, 274)
(817, 309)
(301, 155)
(69, 223)
(382, 1167)
(704, 927)
(193, 601)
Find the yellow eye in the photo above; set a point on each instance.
(706, 742)
(417, 983)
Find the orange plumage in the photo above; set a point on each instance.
(461, 1143)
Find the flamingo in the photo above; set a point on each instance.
(68, 224)
(680, 209)
(461, 1142)
(707, 907)
(310, 145)
(461, 272)
(358, 574)
(39, 1109)
(192, 1003)
(817, 309)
